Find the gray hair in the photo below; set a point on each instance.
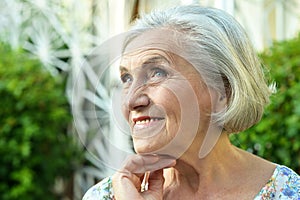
(221, 37)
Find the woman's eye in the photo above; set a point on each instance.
(158, 73)
(126, 78)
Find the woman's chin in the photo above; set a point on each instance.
(144, 148)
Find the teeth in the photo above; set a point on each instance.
(146, 121)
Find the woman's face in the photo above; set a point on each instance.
(163, 96)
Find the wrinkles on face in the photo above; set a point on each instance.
(162, 92)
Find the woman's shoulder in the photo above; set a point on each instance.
(102, 190)
(284, 184)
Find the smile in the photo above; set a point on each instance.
(145, 122)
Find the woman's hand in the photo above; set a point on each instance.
(127, 181)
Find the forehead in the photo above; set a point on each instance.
(146, 56)
(160, 42)
(157, 38)
(160, 46)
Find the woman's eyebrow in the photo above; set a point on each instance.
(154, 60)
(123, 69)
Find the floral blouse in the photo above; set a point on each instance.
(284, 184)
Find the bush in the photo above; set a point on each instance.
(277, 136)
(34, 116)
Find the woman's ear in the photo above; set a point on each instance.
(220, 103)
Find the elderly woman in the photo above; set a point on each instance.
(190, 78)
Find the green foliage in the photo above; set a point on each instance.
(34, 116)
(277, 136)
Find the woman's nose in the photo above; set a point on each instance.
(136, 98)
(138, 102)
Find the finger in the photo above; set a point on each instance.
(126, 186)
(135, 161)
(156, 180)
(161, 164)
(146, 179)
(127, 182)
(155, 189)
(132, 171)
(139, 164)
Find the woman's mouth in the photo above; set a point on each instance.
(145, 122)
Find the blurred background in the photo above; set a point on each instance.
(57, 137)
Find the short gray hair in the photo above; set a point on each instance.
(229, 48)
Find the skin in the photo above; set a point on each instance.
(225, 173)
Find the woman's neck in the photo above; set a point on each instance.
(197, 172)
(218, 173)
